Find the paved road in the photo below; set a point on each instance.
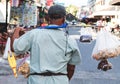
(85, 73)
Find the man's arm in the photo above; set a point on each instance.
(16, 34)
(70, 70)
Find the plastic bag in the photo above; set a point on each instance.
(10, 56)
(7, 48)
(5, 54)
(23, 65)
(86, 35)
(107, 45)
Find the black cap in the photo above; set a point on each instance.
(56, 12)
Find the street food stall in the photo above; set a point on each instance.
(14, 14)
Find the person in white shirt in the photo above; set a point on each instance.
(52, 56)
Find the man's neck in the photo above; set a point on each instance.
(56, 22)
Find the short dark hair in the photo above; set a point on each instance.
(56, 12)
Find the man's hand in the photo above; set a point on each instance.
(70, 70)
(19, 56)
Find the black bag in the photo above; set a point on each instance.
(104, 65)
(85, 38)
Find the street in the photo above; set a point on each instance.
(85, 73)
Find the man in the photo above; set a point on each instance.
(52, 56)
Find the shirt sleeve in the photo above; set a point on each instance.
(76, 55)
(22, 44)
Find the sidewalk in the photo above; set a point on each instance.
(7, 77)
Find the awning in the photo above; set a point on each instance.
(2, 16)
(104, 13)
(109, 8)
(115, 2)
(3, 12)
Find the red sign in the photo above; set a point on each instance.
(49, 2)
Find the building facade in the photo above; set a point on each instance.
(103, 8)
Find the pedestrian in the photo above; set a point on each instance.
(52, 56)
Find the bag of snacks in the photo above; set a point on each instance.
(24, 69)
(23, 65)
(107, 45)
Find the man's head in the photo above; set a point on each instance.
(57, 12)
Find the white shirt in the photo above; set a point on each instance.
(47, 53)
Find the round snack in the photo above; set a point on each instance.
(24, 69)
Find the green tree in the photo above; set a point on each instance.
(72, 9)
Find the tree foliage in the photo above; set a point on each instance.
(72, 9)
